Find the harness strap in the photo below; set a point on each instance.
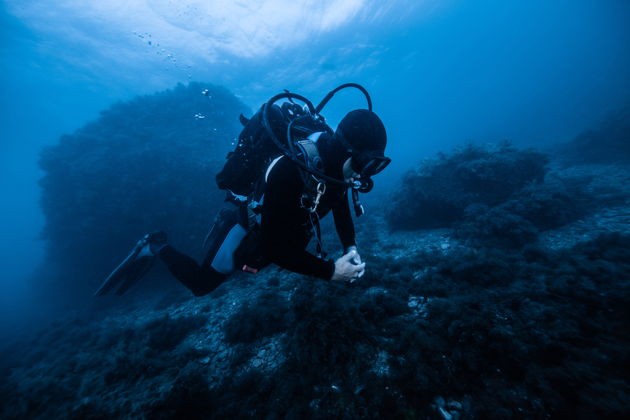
(314, 188)
(314, 219)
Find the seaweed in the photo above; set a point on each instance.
(491, 325)
(481, 333)
(166, 333)
(607, 143)
(438, 193)
(144, 165)
(265, 316)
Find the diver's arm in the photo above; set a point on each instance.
(344, 223)
(346, 232)
(299, 261)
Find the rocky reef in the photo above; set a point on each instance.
(436, 329)
(499, 196)
(497, 286)
(144, 165)
(441, 191)
(609, 142)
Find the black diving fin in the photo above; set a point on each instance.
(130, 271)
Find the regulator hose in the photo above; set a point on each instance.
(284, 149)
(330, 94)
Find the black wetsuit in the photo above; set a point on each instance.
(285, 226)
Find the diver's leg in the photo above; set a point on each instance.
(222, 240)
(200, 279)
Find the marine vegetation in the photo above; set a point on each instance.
(439, 192)
(144, 165)
(475, 333)
(500, 196)
(607, 143)
(498, 286)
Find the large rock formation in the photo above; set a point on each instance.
(147, 164)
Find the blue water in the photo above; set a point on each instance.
(440, 73)
(497, 277)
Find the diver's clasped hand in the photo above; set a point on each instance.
(349, 267)
(356, 261)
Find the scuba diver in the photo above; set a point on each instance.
(289, 169)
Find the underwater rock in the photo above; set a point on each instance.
(481, 334)
(562, 199)
(438, 193)
(419, 305)
(607, 143)
(467, 191)
(143, 165)
(519, 310)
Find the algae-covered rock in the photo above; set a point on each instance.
(607, 143)
(438, 193)
(144, 165)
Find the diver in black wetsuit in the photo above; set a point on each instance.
(285, 225)
(355, 150)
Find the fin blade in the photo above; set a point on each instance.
(117, 276)
(135, 272)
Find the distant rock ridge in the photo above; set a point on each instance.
(502, 197)
(608, 143)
